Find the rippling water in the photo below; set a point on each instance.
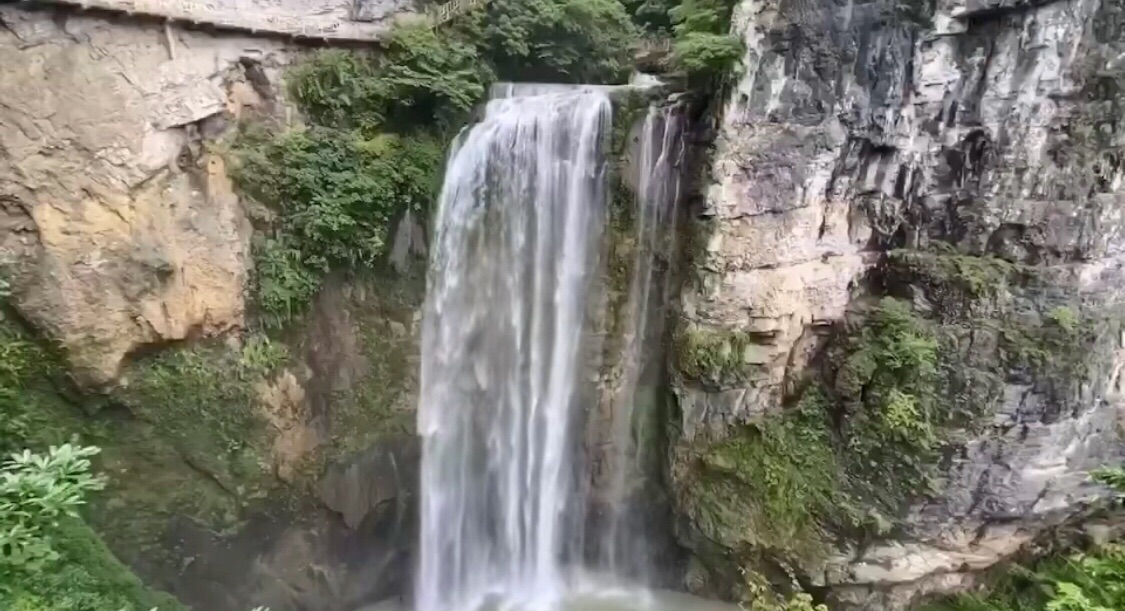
(606, 600)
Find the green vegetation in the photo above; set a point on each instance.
(953, 280)
(377, 124)
(703, 46)
(893, 391)
(775, 480)
(1093, 580)
(714, 356)
(574, 41)
(1052, 348)
(335, 192)
(421, 77)
(886, 388)
(793, 478)
(49, 559)
(202, 398)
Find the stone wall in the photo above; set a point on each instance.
(858, 128)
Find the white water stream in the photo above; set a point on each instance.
(517, 252)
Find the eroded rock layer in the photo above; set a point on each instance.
(863, 135)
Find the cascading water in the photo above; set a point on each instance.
(625, 548)
(520, 218)
(511, 316)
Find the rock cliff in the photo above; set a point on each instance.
(124, 231)
(862, 138)
(230, 457)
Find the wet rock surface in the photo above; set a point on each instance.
(856, 129)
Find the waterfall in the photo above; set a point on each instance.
(513, 311)
(625, 547)
(516, 246)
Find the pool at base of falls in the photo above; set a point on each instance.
(601, 600)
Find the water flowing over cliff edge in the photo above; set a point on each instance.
(510, 349)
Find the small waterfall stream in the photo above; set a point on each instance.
(505, 369)
(625, 548)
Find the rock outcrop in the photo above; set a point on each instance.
(124, 229)
(859, 128)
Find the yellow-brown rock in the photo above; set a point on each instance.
(123, 231)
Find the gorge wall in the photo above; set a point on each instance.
(965, 158)
(242, 470)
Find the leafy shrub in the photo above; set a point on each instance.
(49, 559)
(706, 54)
(283, 283)
(651, 15)
(335, 194)
(887, 388)
(703, 47)
(576, 41)
(1092, 581)
(1113, 477)
(36, 491)
(419, 78)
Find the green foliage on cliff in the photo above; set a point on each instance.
(49, 559)
(953, 280)
(703, 45)
(421, 77)
(789, 480)
(1093, 580)
(35, 492)
(775, 480)
(573, 41)
(1089, 581)
(379, 124)
(886, 389)
(23, 363)
(203, 399)
(335, 193)
(713, 356)
(1053, 348)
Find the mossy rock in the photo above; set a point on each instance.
(716, 357)
(85, 577)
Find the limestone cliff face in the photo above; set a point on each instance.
(122, 229)
(858, 128)
(231, 459)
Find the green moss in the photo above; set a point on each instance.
(774, 482)
(952, 279)
(1055, 347)
(715, 356)
(190, 442)
(786, 483)
(32, 412)
(86, 577)
(381, 400)
(201, 398)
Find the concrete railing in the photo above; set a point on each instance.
(445, 12)
(327, 22)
